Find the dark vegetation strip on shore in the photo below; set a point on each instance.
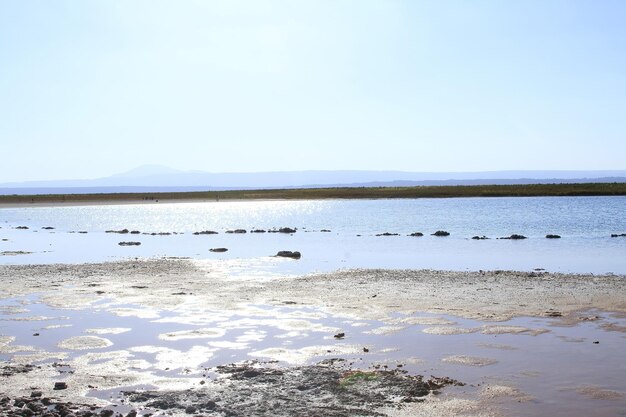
(530, 190)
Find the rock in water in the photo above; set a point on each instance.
(514, 237)
(441, 233)
(289, 254)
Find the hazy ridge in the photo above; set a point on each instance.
(163, 179)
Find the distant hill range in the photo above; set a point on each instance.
(154, 178)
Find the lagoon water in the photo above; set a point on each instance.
(585, 225)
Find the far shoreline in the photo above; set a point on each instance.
(340, 193)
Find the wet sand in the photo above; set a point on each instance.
(370, 294)
(93, 326)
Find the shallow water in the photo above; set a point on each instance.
(584, 223)
(553, 368)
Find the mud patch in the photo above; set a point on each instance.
(192, 334)
(598, 393)
(496, 346)
(504, 391)
(109, 330)
(84, 343)
(426, 321)
(448, 330)
(512, 330)
(14, 253)
(469, 360)
(386, 330)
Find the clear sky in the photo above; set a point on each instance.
(90, 88)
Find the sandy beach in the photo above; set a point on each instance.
(351, 329)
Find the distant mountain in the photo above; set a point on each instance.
(154, 178)
(148, 171)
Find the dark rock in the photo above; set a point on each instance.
(325, 231)
(441, 233)
(553, 237)
(129, 243)
(208, 405)
(417, 234)
(35, 407)
(618, 235)
(257, 231)
(514, 237)
(106, 413)
(26, 412)
(35, 334)
(48, 228)
(191, 409)
(122, 232)
(388, 234)
(339, 335)
(218, 250)
(8, 370)
(135, 232)
(36, 394)
(480, 237)
(554, 314)
(60, 385)
(205, 232)
(286, 230)
(22, 227)
(289, 254)
(237, 231)
(317, 390)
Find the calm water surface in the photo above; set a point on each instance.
(584, 223)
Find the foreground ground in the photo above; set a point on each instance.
(309, 354)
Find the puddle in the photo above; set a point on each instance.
(559, 367)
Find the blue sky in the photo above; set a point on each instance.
(92, 88)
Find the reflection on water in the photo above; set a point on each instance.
(585, 225)
(531, 356)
